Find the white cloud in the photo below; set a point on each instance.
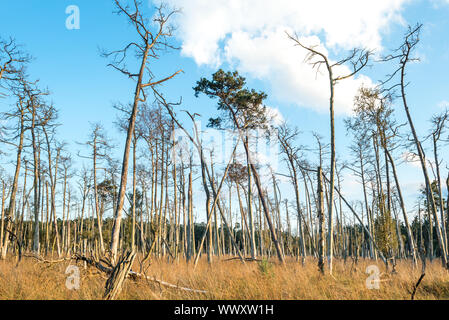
(251, 36)
(412, 159)
(444, 104)
(351, 186)
(438, 3)
(271, 56)
(275, 116)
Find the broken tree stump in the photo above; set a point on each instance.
(118, 275)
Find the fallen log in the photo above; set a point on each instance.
(133, 274)
(246, 259)
(42, 260)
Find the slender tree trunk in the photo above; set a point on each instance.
(35, 183)
(124, 175)
(12, 198)
(133, 228)
(321, 255)
(440, 193)
(404, 211)
(422, 158)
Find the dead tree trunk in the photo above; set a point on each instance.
(321, 226)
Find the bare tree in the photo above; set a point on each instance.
(243, 110)
(403, 55)
(358, 59)
(41, 115)
(150, 44)
(287, 138)
(439, 123)
(101, 147)
(13, 61)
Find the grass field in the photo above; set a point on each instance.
(225, 280)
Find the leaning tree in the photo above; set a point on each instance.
(403, 56)
(153, 38)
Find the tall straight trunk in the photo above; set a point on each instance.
(230, 213)
(24, 201)
(330, 239)
(313, 235)
(63, 231)
(155, 207)
(161, 201)
(430, 233)
(133, 228)
(288, 227)
(2, 224)
(341, 213)
(387, 174)
(261, 229)
(35, 182)
(142, 225)
(231, 234)
(68, 237)
(124, 175)
(53, 178)
(191, 218)
(175, 197)
(398, 233)
(147, 218)
(242, 214)
(185, 230)
(365, 198)
(208, 201)
(302, 244)
(278, 212)
(97, 206)
(421, 238)
(404, 211)
(47, 223)
(321, 226)
(42, 205)
(190, 237)
(166, 245)
(252, 237)
(440, 192)
(447, 205)
(83, 208)
(216, 235)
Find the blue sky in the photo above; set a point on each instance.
(84, 89)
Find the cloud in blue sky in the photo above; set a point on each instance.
(444, 104)
(250, 36)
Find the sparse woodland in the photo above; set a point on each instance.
(155, 222)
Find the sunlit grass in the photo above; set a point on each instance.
(226, 280)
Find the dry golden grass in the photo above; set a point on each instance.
(226, 280)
